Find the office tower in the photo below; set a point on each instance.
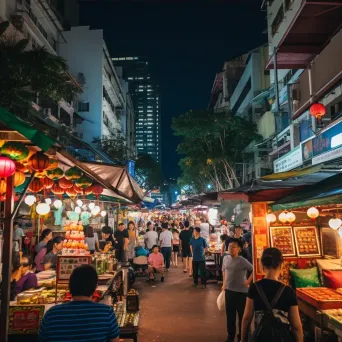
(146, 101)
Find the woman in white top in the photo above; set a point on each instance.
(92, 240)
(175, 248)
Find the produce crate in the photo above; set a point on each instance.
(321, 297)
(333, 319)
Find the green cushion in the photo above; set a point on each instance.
(305, 278)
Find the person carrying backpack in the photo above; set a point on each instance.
(274, 305)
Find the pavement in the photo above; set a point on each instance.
(175, 311)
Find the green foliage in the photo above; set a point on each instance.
(26, 73)
(212, 145)
(148, 173)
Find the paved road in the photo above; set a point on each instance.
(175, 312)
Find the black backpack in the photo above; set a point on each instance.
(268, 326)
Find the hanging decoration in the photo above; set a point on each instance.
(32, 151)
(78, 210)
(91, 205)
(47, 183)
(39, 162)
(19, 178)
(57, 190)
(30, 200)
(3, 186)
(71, 192)
(21, 167)
(291, 217)
(335, 223)
(79, 203)
(36, 185)
(15, 150)
(270, 218)
(65, 183)
(97, 190)
(317, 110)
(55, 173)
(84, 182)
(103, 213)
(57, 204)
(313, 213)
(48, 201)
(88, 190)
(53, 164)
(7, 167)
(77, 189)
(42, 209)
(283, 217)
(73, 173)
(40, 175)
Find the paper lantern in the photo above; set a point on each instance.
(283, 217)
(312, 213)
(94, 212)
(103, 213)
(84, 182)
(335, 223)
(40, 175)
(7, 167)
(57, 204)
(57, 190)
(97, 208)
(19, 178)
(2, 198)
(36, 185)
(32, 151)
(39, 162)
(271, 218)
(55, 174)
(77, 189)
(65, 183)
(42, 208)
(97, 190)
(30, 200)
(53, 164)
(21, 167)
(73, 173)
(78, 210)
(91, 205)
(48, 201)
(47, 183)
(291, 217)
(14, 150)
(79, 203)
(71, 192)
(88, 190)
(317, 110)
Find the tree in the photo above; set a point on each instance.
(25, 74)
(148, 173)
(212, 146)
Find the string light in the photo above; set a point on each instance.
(30, 200)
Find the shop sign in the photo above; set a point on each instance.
(289, 161)
(66, 264)
(131, 167)
(25, 319)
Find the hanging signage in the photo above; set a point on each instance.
(289, 161)
(66, 264)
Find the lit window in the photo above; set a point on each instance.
(149, 89)
(130, 78)
(150, 111)
(141, 90)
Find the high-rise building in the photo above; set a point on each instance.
(146, 101)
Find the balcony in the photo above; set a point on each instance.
(302, 30)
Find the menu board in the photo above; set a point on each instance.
(330, 242)
(66, 264)
(307, 241)
(282, 238)
(25, 319)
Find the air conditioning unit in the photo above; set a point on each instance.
(46, 111)
(18, 22)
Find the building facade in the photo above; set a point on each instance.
(102, 102)
(146, 100)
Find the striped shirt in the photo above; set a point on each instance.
(79, 321)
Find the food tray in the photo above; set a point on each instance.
(332, 320)
(320, 297)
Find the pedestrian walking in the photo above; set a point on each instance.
(184, 238)
(175, 247)
(121, 243)
(235, 285)
(269, 293)
(150, 237)
(198, 247)
(166, 243)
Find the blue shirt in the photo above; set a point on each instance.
(80, 321)
(198, 246)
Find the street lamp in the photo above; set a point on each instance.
(209, 186)
(176, 192)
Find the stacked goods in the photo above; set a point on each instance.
(74, 243)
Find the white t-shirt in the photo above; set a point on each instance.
(151, 238)
(165, 239)
(204, 229)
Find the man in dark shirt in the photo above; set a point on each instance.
(185, 237)
(107, 237)
(121, 242)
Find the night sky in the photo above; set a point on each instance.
(186, 43)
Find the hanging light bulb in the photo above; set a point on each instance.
(48, 201)
(42, 209)
(84, 207)
(335, 223)
(97, 208)
(30, 200)
(291, 217)
(57, 204)
(94, 212)
(103, 213)
(283, 217)
(312, 213)
(77, 210)
(91, 205)
(79, 203)
(271, 218)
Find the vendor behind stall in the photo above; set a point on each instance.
(28, 278)
(50, 259)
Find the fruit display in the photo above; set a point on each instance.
(307, 241)
(214, 247)
(321, 297)
(335, 313)
(40, 296)
(74, 243)
(333, 319)
(282, 238)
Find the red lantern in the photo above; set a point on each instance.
(84, 182)
(88, 191)
(53, 164)
(36, 185)
(57, 190)
(97, 190)
(15, 150)
(73, 173)
(22, 168)
(55, 173)
(2, 198)
(317, 110)
(7, 167)
(2, 186)
(77, 189)
(47, 183)
(39, 162)
(71, 192)
(65, 183)
(19, 178)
